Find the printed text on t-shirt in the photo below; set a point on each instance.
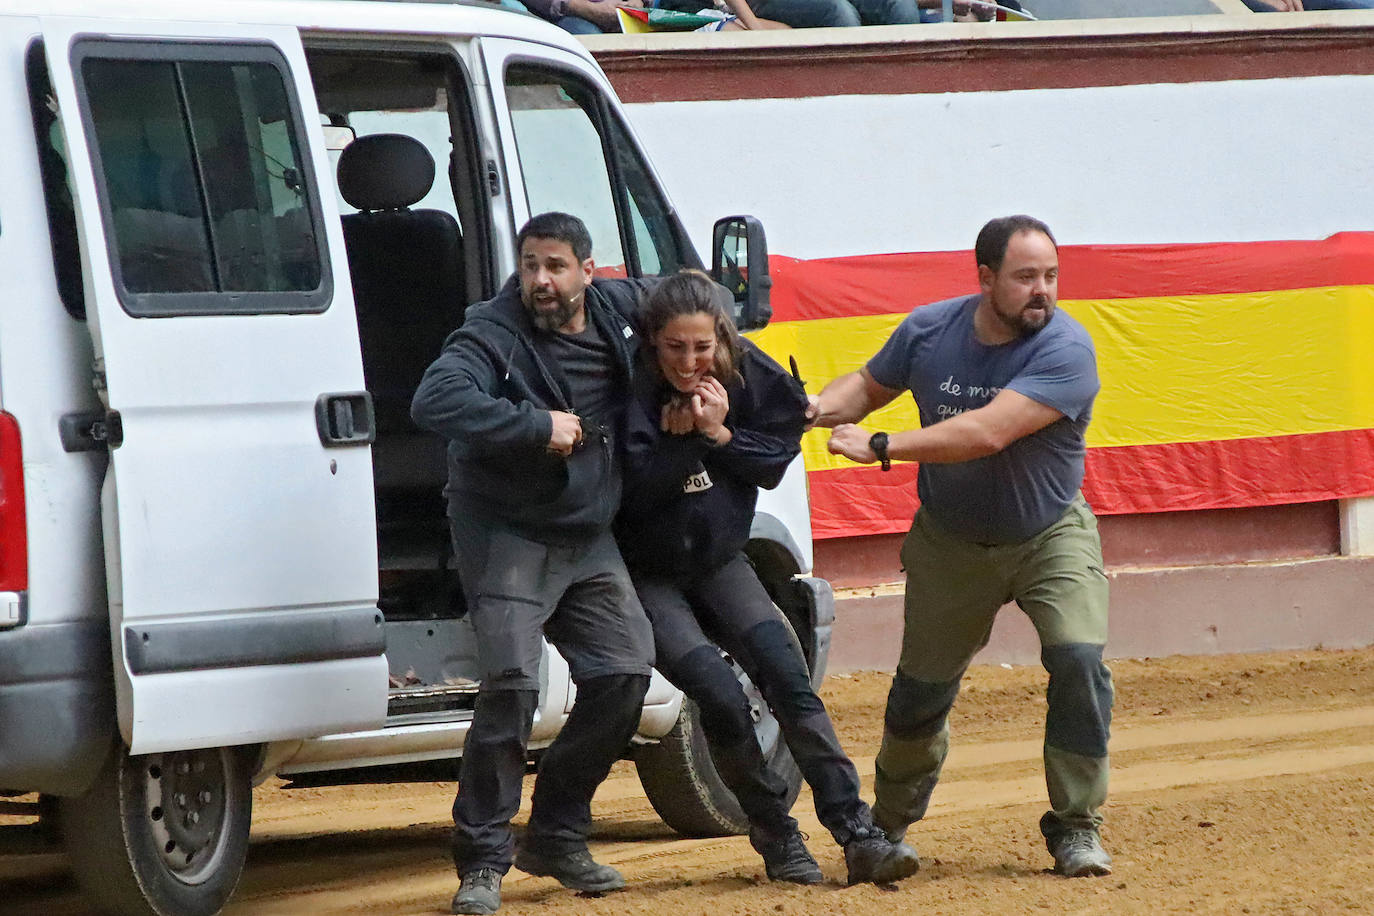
(950, 386)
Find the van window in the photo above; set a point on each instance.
(652, 224)
(425, 95)
(204, 195)
(430, 125)
(57, 191)
(576, 157)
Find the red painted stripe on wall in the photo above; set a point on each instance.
(917, 63)
(1148, 478)
(884, 284)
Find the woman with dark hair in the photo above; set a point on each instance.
(712, 420)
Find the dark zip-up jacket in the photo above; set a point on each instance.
(489, 394)
(670, 523)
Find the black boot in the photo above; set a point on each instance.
(785, 856)
(479, 894)
(872, 858)
(576, 869)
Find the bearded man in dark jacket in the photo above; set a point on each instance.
(529, 393)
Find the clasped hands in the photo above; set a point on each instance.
(704, 412)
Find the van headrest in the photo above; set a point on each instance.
(385, 172)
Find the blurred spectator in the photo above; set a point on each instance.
(965, 10)
(1297, 6)
(737, 14)
(590, 17)
(811, 14)
(582, 17)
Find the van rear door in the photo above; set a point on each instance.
(238, 515)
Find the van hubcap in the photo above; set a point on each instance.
(185, 796)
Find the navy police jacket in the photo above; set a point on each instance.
(688, 505)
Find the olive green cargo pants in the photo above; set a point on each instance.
(953, 592)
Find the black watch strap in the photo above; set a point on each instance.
(879, 445)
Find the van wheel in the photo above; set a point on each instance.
(163, 834)
(682, 784)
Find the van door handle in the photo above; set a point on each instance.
(90, 431)
(346, 418)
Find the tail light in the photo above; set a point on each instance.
(14, 536)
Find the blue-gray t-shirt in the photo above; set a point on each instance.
(1020, 491)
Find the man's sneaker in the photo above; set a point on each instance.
(1078, 853)
(576, 869)
(873, 858)
(785, 857)
(479, 894)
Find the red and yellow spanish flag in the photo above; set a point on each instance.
(1233, 374)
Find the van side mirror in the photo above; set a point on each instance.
(739, 262)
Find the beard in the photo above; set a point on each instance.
(551, 319)
(1022, 323)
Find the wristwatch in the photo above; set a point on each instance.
(879, 445)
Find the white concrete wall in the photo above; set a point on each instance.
(1149, 164)
(1195, 610)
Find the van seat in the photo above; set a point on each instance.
(408, 290)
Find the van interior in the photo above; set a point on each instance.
(413, 199)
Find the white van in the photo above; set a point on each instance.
(223, 552)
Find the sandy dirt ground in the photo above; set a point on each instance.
(1240, 784)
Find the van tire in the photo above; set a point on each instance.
(133, 859)
(683, 786)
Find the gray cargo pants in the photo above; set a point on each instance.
(581, 598)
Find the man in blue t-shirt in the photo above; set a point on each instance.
(1005, 385)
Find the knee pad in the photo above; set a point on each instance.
(1079, 699)
(614, 692)
(502, 713)
(506, 698)
(917, 709)
(783, 676)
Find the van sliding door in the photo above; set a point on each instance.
(238, 512)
